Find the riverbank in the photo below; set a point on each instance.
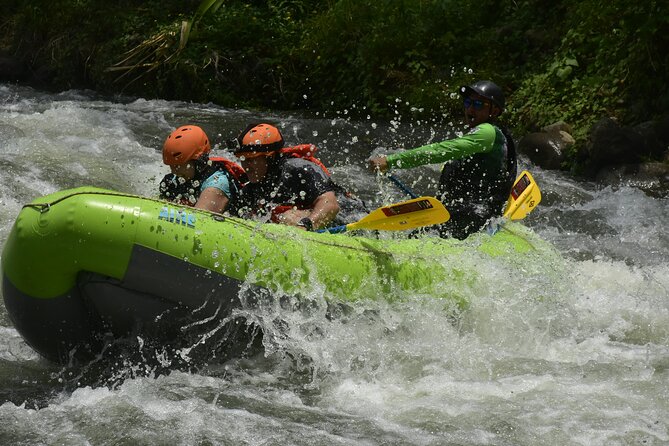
(576, 63)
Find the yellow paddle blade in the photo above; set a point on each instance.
(525, 196)
(421, 211)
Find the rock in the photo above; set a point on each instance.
(610, 144)
(662, 130)
(651, 177)
(11, 70)
(558, 127)
(547, 149)
(653, 144)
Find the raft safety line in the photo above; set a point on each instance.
(255, 227)
(45, 207)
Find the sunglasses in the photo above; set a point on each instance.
(477, 103)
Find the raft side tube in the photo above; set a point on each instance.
(58, 328)
(75, 326)
(57, 236)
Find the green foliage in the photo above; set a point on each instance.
(572, 60)
(610, 62)
(381, 54)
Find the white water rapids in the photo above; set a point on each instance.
(575, 358)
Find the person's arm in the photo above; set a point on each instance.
(308, 181)
(480, 139)
(326, 208)
(215, 194)
(212, 199)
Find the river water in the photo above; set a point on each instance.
(580, 358)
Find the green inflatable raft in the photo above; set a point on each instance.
(85, 265)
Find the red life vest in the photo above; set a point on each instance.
(232, 168)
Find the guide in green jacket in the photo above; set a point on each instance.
(479, 168)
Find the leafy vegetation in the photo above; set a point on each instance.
(570, 60)
(609, 62)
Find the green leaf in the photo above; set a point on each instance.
(564, 73)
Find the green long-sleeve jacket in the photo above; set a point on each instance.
(484, 138)
(476, 178)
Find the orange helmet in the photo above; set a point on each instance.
(260, 138)
(188, 142)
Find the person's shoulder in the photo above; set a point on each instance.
(484, 127)
(485, 130)
(297, 162)
(218, 179)
(218, 174)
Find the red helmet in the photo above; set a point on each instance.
(188, 142)
(260, 138)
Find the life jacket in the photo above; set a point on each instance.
(477, 187)
(187, 192)
(235, 170)
(348, 202)
(305, 151)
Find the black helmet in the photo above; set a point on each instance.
(487, 89)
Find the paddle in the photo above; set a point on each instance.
(421, 211)
(525, 196)
(401, 185)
